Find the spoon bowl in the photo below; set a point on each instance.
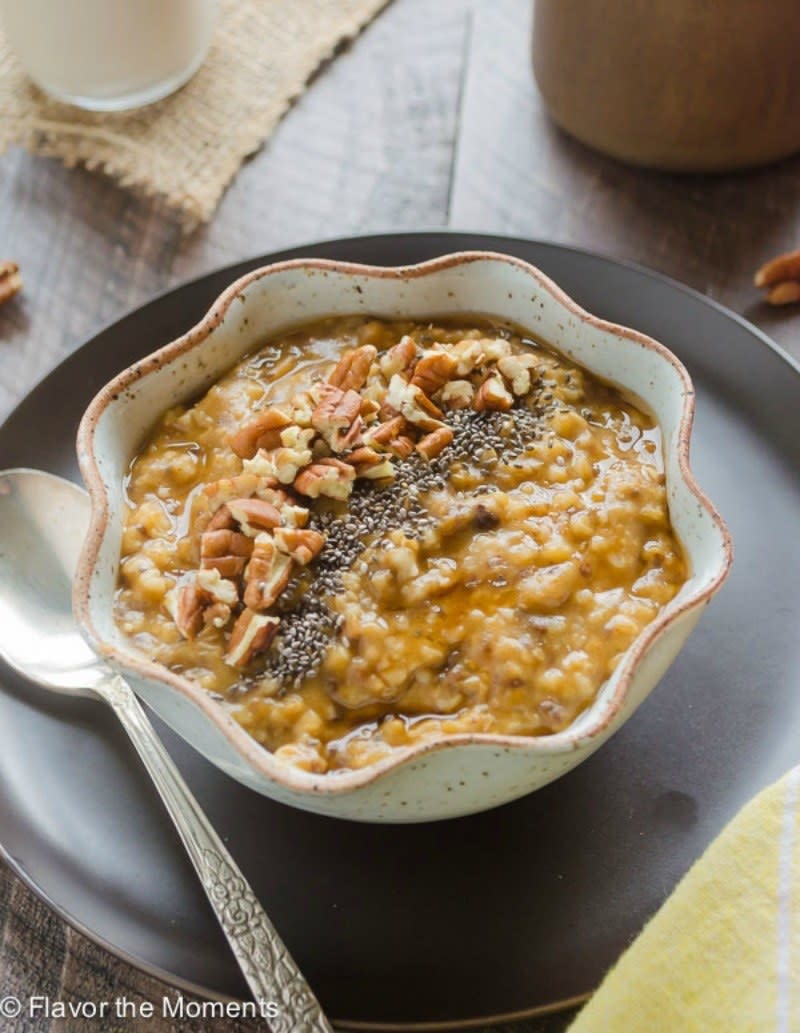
(43, 520)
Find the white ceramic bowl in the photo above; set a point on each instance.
(454, 775)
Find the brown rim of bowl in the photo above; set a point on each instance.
(346, 781)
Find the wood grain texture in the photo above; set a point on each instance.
(431, 118)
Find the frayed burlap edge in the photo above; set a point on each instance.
(91, 140)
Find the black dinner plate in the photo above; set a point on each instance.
(498, 915)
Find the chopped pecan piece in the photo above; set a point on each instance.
(432, 444)
(400, 358)
(188, 609)
(243, 485)
(402, 446)
(494, 348)
(293, 516)
(252, 634)
(297, 437)
(387, 411)
(263, 431)
(303, 405)
(10, 280)
(217, 615)
(216, 587)
(267, 574)
(517, 371)
(370, 464)
(384, 432)
(284, 462)
(369, 409)
(225, 551)
(228, 566)
(469, 355)
(330, 477)
(208, 506)
(338, 418)
(493, 394)
(353, 368)
(458, 394)
(206, 598)
(278, 497)
(254, 515)
(302, 544)
(433, 371)
(413, 403)
(222, 520)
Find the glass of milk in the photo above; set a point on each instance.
(109, 55)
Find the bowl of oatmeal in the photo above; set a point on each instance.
(396, 544)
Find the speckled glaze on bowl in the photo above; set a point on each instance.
(454, 775)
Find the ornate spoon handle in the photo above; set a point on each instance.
(269, 969)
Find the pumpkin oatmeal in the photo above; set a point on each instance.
(370, 534)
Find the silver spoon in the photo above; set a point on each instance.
(43, 521)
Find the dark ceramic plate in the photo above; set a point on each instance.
(502, 914)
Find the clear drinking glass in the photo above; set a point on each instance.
(109, 55)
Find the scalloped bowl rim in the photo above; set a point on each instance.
(349, 780)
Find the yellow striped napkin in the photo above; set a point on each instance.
(723, 953)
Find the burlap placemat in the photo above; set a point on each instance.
(188, 147)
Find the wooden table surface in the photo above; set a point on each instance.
(428, 120)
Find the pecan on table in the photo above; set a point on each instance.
(781, 277)
(10, 280)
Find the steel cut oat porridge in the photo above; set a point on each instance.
(370, 534)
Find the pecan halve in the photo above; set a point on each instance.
(330, 477)
(267, 574)
(301, 544)
(263, 431)
(432, 444)
(10, 280)
(493, 395)
(433, 371)
(778, 270)
(252, 634)
(352, 369)
(784, 293)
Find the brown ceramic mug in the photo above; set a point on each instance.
(686, 85)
